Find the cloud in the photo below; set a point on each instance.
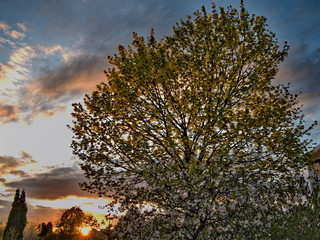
(11, 33)
(17, 69)
(19, 173)
(45, 78)
(8, 113)
(16, 35)
(9, 162)
(25, 155)
(11, 165)
(55, 184)
(23, 66)
(23, 27)
(6, 41)
(96, 35)
(4, 26)
(42, 79)
(73, 79)
(302, 70)
(54, 88)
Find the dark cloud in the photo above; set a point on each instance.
(19, 173)
(302, 67)
(8, 113)
(302, 70)
(25, 155)
(9, 162)
(11, 165)
(79, 76)
(55, 184)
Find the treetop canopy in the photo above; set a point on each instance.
(194, 121)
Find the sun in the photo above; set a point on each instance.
(85, 231)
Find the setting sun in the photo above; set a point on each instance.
(85, 231)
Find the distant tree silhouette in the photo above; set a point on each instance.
(72, 221)
(44, 229)
(17, 219)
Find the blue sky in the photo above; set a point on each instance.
(54, 52)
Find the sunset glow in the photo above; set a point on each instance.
(85, 231)
(93, 206)
(50, 59)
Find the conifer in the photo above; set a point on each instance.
(17, 219)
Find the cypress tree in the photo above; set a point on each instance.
(17, 219)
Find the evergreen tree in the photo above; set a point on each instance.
(17, 219)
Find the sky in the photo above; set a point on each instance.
(54, 52)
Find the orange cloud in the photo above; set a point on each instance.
(79, 76)
(4, 26)
(8, 113)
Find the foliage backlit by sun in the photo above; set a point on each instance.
(85, 231)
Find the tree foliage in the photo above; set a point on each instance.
(192, 131)
(17, 219)
(73, 220)
(299, 221)
(45, 229)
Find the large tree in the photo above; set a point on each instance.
(193, 132)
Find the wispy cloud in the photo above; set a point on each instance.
(23, 92)
(23, 27)
(11, 32)
(17, 69)
(6, 41)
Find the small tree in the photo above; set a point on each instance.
(17, 219)
(73, 220)
(44, 229)
(192, 131)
